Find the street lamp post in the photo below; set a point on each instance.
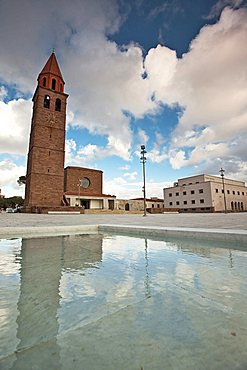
(143, 161)
(221, 171)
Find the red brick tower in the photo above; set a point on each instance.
(45, 167)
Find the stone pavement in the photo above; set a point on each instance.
(234, 221)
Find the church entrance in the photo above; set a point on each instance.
(85, 203)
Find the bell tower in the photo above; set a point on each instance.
(45, 166)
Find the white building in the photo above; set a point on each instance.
(206, 193)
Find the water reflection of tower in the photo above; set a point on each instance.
(38, 302)
(43, 261)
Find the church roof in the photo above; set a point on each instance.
(52, 66)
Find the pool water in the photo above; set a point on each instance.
(117, 302)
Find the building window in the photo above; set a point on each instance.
(184, 193)
(58, 105)
(177, 203)
(177, 194)
(185, 201)
(170, 194)
(193, 201)
(242, 193)
(44, 82)
(228, 191)
(47, 101)
(48, 170)
(238, 192)
(201, 200)
(158, 206)
(233, 192)
(222, 191)
(216, 190)
(200, 191)
(152, 205)
(53, 84)
(192, 192)
(170, 204)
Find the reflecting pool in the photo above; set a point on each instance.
(115, 302)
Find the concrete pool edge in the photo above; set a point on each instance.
(44, 231)
(239, 236)
(198, 233)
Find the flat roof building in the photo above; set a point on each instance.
(206, 193)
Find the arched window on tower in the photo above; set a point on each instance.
(58, 105)
(53, 84)
(44, 81)
(47, 101)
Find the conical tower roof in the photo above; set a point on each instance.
(52, 67)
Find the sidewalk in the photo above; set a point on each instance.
(235, 221)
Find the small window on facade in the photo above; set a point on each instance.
(201, 200)
(238, 192)
(200, 191)
(58, 105)
(170, 204)
(158, 206)
(228, 191)
(233, 192)
(184, 193)
(49, 153)
(216, 190)
(53, 84)
(170, 194)
(47, 101)
(177, 194)
(44, 82)
(222, 191)
(152, 205)
(185, 202)
(242, 193)
(193, 201)
(192, 192)
(48, 170)
(177, 203)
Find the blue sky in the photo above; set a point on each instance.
(168, 74)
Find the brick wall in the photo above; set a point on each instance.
(73, 174)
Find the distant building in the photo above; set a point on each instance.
(154, 205)
(205, 193)
(50, 187)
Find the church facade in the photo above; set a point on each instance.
(50, 186)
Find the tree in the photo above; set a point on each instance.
(21, 180)
(11, 202)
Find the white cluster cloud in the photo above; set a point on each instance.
(10, 173)
(15, 117)
(210, 83)
(125, 189)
